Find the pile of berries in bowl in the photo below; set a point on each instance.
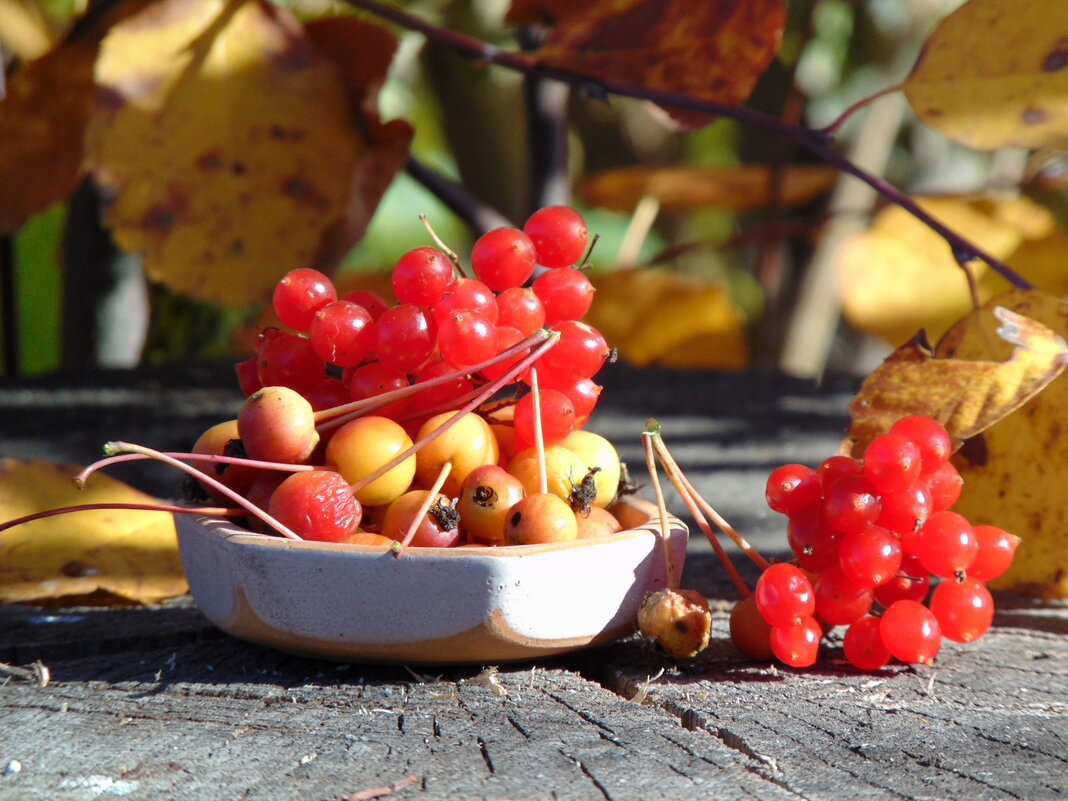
(423, 467)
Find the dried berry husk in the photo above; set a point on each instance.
(679, 620)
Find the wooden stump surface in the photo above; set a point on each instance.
(155, 703)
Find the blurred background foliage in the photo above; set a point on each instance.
(750, 263)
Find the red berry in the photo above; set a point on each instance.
(566, 294)
(995, 552)
(372, 301)
(792, 487)
(813, 541)
(578, 354)
(871, 556)
(851, 503)
(946, 544)
(965, 609)
(520, 308)
(863, 645)
(839, 599)
(466, 338)
(503, 258)
(834, 467)
(891, 462)
(911, 633)
(944, 485)
(299, 295)
(420, 276)
(404, 338)
(797, 645)
(905, 510)
(317, 505)
(342, 333)
(557, 416)
(559, 235)
(288, 360)
(784, 595)
(911, 583)
(467, 294)
(929, 436)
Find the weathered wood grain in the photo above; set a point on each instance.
(155, 703)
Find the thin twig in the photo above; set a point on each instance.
(661, 506)
(818, 142)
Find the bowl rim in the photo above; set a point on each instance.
(236, 535)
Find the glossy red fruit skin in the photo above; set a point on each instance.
(911, 583)
(929, 436)
(863, 645)
(906, 510)
(467, 294)
(995, 552)
(557, 416)
(851, 503)
(813, 541)
(372, 301)
(792, 487)
(559, 235)
(784, 595)
(288, 360)
(405, 338)
(580, 352)
(503, 258)
(317, 505)
(964, 609)
(839, 599)
(373, 379)
(911, 633)
(420, 276)
(891, 462)
(299, 294)
(834, 467)
(945, 485)
(566, 294)
(945, 544)
(521, 309)
(466, 338)
(871, 556)
(342, 333)
(797, 645)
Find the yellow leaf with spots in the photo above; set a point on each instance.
(657, 316)
(994, 74)
(227, 144)
(899, 276)
(1015, 471)
(106, 553)
(966, 391)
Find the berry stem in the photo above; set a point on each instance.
(193, 457)
(550, 340)
(113, 448)
(431, 496)
(651, 435)
(215, 511)
(661, 505)
(450, 254)
(539, 436)
(337, 416)
(679, 478)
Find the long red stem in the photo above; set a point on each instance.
(665, 539)
(214, 511)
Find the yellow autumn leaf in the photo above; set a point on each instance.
(994, 74)
(741, 188)
(225, 142)
(967, 393)
(128, 554)
(1015, 471)
(900, 276)
(658, 316)
(42, 121)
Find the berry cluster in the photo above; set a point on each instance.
(870, 537)
(400, 404)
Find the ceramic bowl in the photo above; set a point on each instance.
(358, 603)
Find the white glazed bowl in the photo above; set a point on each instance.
(359, 603)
